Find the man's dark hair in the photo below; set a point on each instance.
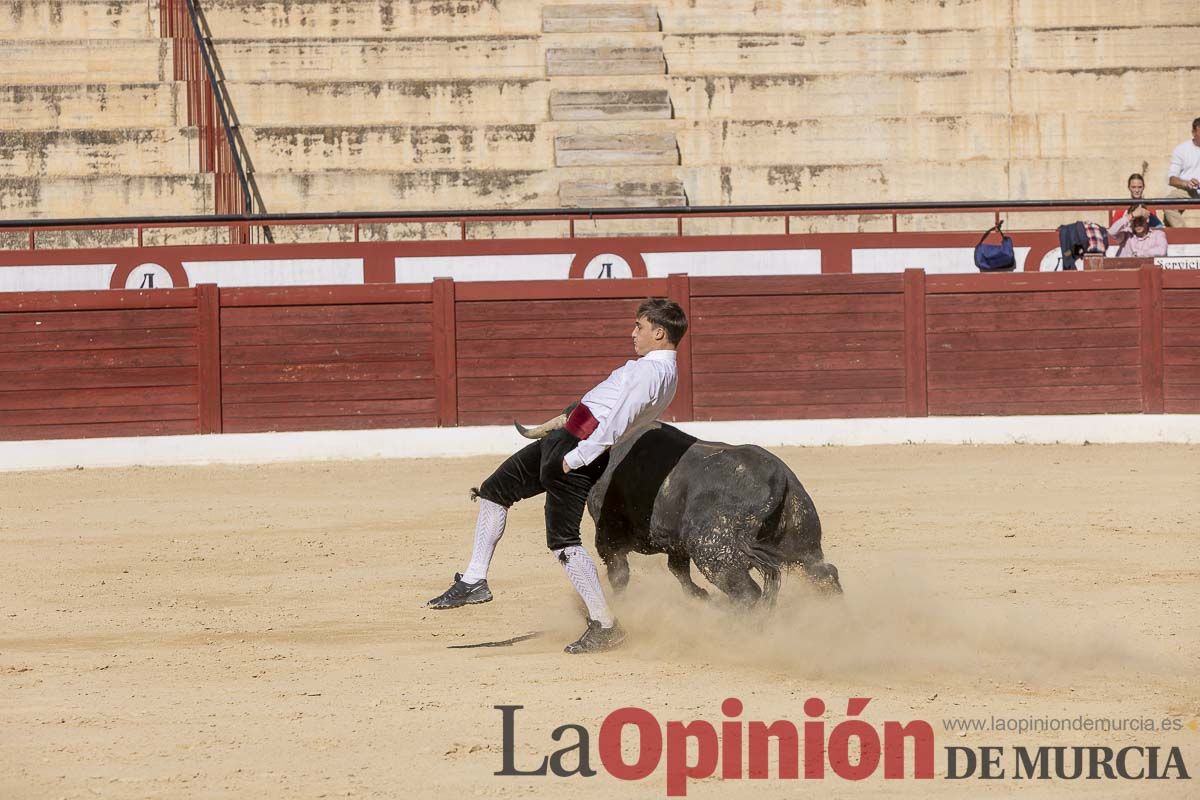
(1196, 123)
(665, 314)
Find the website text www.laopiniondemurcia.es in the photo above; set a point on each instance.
(852, 749)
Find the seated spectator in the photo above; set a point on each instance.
(1137, 187)
(1184, 179)
(1136, 237)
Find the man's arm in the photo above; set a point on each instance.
(1119, 227)
(635, 396)
(1176, 170)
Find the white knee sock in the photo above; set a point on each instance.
(489, 527)
(581, 571)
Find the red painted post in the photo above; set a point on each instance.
(837, 258)
(208, 306)
(679, 290)
(445, 354)
(916, 387)
(1150, 295)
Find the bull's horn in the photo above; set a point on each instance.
(541, 430)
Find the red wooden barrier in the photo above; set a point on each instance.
(1180, 356)
(528, 349)
(787, 347)
(108, 363)
(327, 358)
(916, 377)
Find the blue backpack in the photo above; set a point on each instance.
(995, 257)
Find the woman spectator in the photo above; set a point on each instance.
(1137, 187)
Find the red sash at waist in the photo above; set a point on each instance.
(581, 424)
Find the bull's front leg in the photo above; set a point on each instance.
(681, 567)
(612, 547)
(617, 564)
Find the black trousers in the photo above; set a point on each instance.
(537, 468)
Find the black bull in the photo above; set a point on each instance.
(729, 509)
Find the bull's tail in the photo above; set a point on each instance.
(765, 556)
(766, 562)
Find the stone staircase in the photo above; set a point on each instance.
(613, 146)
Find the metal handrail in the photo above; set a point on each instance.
(205, 45)
(585, 213)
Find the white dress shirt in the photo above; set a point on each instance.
(1185, 161)
(629, 399)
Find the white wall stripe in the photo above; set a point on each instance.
(265, 448)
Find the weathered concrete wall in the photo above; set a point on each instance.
(122, 151)
(429, 58)
(86, 61)
(343, 147)
(349, 18)
(107, 196)
(329, 102)
(78, 19)
(413, 104)
(103, 106)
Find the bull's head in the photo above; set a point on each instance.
(540, 431)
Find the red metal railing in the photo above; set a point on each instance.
(179, 22)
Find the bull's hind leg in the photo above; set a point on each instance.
(731, 576)
(681, 567)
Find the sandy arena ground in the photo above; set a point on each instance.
(258, 632)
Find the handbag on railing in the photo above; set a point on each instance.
(995, 257)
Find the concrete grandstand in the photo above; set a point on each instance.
(487, 104)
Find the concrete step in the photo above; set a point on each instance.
(773, 16)
(605, 61)
(845, 140)
(870, 139)
(795, 97)
(123, 151)
(901, 181)
(86, 61)
(1081, 135)
(446, 58)
(621, 194)
(586, 150)
(585, 18)
(103, 106)
(1135, 13)
(303, 19)
(610, 105)
(417, 146)
(78, 19)
(1151, 92)
(1111, 48)
(105, 196)
(383, 190)
(319, 103)
(856, 53)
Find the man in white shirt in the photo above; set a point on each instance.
(568, 462)
(1184, 179)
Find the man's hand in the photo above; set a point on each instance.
(566, 468)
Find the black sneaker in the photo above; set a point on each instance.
(462, 594)
(596, 639)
